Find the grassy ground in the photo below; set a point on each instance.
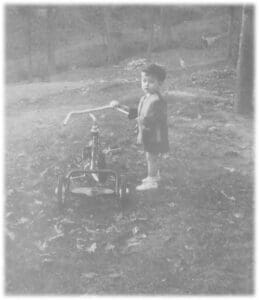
(192, 236)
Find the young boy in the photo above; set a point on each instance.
(152, 123)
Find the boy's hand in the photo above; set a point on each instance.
(114, 104)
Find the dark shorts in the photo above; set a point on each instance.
(156, 149)
(152, 146)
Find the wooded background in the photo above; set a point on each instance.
(45, 40)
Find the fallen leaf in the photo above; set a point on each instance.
(109, 247)
(238, 215)
(67, 221)
(89, 230)
(142, 236)
(171, 204)
(92, 248)
(23, 220)
(229, 126)
(55, 237)
(135, 230)
(133, 243)
(9, 214)
(89, 275)
(41, 246)
(118, 217)
(142, 218)
(58, 229)
(21, 154)
(228, 197)
(212, 129)
(231, 221)
(46, 260)
(231, 170)
(80, 244)
(44, 172)
(189, 229)
(136, 240)
(115, 275)
(40, 213)
(112, 228)
(133, 217)
(10, 192)
(75, 230)
(38, 202)
(187, 247)
(10, 234)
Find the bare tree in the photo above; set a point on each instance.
(107, 28)
(27, 14)
(235, 13)
(245, 82)
(51, 14)
(151, 13)
(165, 27)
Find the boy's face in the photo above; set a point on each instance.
(149, 83)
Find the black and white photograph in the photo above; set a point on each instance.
(129, 149)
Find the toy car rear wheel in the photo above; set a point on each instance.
(62, 192)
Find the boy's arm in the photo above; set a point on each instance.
(132, 112)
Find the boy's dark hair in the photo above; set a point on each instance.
(155, 70)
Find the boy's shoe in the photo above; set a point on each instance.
(146, 179)
(148, 185)
(156, 178)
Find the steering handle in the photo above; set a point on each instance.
(118, 108)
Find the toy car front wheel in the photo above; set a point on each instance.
(62, 191)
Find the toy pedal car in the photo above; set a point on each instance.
(93, 170)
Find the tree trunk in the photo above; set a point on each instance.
(150, 41)
(107, 27)
(165, 28)
(245, 81)
(27, 13)
(150, 34)
(29, 39)
(51, 14)
(234, 34)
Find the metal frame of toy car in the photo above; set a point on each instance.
(64, 181)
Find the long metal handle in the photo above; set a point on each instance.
(122, 110)
(92, 110)
(84, 111)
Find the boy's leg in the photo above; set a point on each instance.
(152, 164)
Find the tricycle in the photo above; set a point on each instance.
(93, 171)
